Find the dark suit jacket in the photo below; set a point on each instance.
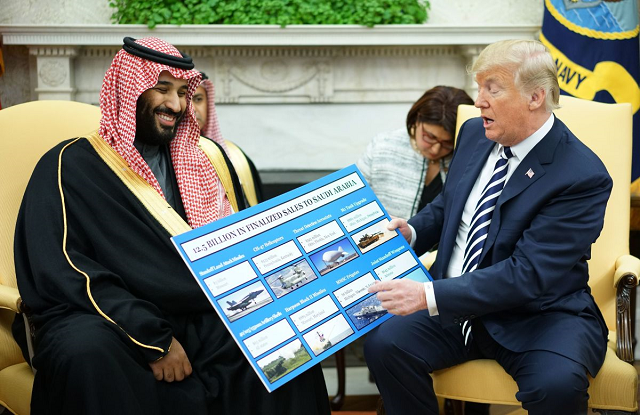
(530, 289)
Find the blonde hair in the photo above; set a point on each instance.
(532, 65)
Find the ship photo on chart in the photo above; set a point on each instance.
(245, 301)
(366, 312)
(291, 278)
(333, 256)
(374, 235)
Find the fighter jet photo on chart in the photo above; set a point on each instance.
(333, 256)
(291, 278)
(245, 301)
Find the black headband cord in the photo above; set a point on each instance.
(130, 46)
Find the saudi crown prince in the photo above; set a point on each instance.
(120, 326)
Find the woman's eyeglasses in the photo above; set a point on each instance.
(430, 139)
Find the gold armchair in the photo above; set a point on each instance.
(27, 131)
(606, 129)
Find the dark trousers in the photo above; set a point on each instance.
(88, 366)
(402, 352)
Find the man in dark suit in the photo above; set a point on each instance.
(523, 202)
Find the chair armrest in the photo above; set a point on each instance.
(428, 259)
(626, 266)
(625, 279)
(10, 298)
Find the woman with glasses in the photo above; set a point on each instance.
(407, 168)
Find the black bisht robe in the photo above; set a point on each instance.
(107, 290)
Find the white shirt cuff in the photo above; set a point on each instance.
(431, 299)
(413, 236)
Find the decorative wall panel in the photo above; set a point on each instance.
(297, 98)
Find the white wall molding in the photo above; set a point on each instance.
(267, 35)
(270, 64)
(300, 97)
(55, 72)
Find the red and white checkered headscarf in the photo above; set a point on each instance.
(211, 128)
(128, 77)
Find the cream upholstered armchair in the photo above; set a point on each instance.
(606, 129)
(27, 131)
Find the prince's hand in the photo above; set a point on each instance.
(174, 366)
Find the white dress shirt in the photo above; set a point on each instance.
(519, 151)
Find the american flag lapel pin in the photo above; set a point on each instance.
(529, 173)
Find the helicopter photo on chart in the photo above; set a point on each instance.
(291, 278)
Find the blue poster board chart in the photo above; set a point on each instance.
(289, 276)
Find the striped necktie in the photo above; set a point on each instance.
(479, 228)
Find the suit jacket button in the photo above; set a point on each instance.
(472, 316)
(455, 320)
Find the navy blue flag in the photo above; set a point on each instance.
(595, 46)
